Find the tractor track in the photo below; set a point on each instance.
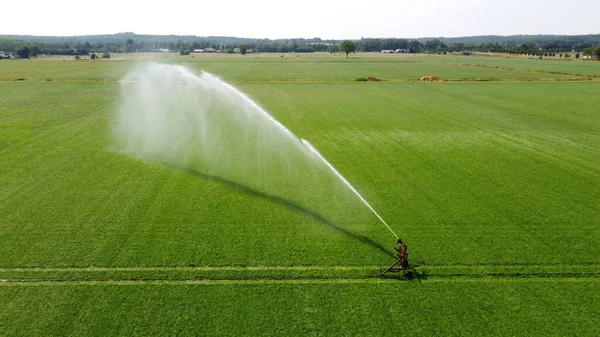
(256, 281)
(209, 275)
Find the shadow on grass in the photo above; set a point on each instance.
(287, 203)
(414, 274)
(411, 274)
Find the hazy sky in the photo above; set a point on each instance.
(305, 18)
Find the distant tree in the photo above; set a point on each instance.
(334, 48)
(434, 45)
(77, 57)
(567, 56)
(93, 56)
(459, 47)
(129, 46)
(243, 49)
(184, 51)
(106, 55)
(528, 45)
(347, 47)
(577, 56)
(597, 53)
(588, 51)
(24, 52)
(35, 51)
(368, 45)
(414, 46)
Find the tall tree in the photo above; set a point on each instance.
(129, 46)
(347, 47)
(414, 46)
(334, 48)
(528, 45)
(433, 45)
(23, 52)
(243, 49)
(35, 51)
(588, 51)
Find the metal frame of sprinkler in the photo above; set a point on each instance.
(401, 256)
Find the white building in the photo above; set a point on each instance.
(5, 56)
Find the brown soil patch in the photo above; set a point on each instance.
(431, 79)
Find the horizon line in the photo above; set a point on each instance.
(292, 38)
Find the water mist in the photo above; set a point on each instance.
(169, 115)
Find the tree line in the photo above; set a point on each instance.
(439, 46)
(34, 49)
(30, 46)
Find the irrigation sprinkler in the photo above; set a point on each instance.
(401, 259)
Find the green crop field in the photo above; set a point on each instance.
(492, 178)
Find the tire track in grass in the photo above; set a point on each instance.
(293, 281)
(203, 268)
(290, 274)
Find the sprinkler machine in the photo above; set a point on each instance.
(401, 256)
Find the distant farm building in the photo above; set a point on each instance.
(390, 51)
(5, 56)
(205, 50)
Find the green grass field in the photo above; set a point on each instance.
(492, 179)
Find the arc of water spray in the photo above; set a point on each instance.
(311, 148)
(139, 142)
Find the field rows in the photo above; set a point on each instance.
(494, 186)
(487, 175)
(307, 68)
(548, 307)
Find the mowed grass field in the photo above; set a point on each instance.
(492, 179)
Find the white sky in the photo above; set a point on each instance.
(305, 18)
